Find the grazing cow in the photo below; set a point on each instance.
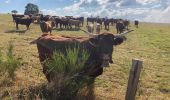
(99, 47)
(90, 28)
(98, 26)
(23, 21)
(136, 23)
(119, 26)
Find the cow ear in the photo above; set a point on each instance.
(118, 40)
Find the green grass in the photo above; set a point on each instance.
(150, 43)
(66, 69)
(9, 64)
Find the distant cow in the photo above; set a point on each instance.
(100, 48)
(120, 26)
(74, 22)
(106, 24)
(98, 28)
(90, 19)
(126, 24)
(14, 16)
(46, 26)
(90, 28)
(136, 23)
(23, 21)
(100, 21)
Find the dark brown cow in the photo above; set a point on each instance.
(14, 16)
(23, 21)
(136, 23)
(100, 48)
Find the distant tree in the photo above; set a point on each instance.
(31, 9)
(14, 11)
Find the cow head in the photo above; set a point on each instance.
(104, 46)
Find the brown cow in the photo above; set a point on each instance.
(100, 48)
(47, 26)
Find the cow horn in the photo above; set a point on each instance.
(126, 32)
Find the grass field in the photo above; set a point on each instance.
(150, 43)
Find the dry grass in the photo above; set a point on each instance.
(150, 43)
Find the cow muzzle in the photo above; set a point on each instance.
(105, 60)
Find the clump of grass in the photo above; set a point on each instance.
(9, 63)
(70, 63)
(68, 82)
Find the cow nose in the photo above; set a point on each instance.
(105, 57)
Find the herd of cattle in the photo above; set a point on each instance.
(47, 22)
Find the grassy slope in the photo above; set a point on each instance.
(149, 43)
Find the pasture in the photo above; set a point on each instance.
(150, 43)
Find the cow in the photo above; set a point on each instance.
(46, 26)
(74, 22)
(90, 28)
(126, 24)
(120, 26)
(99, 47)
(14, 16)
(62, 22)
(90, 19)
(100, 21)
(23, 21)
(98, 28)
(106, 24)
(136, 23)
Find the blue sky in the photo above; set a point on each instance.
(144, 10)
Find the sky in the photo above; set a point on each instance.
(142, 10)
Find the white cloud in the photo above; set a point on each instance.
(147, 1)
(56, 12)
(159, 16)
(7, 1)
(143, 10)
(74, 7)
(101, 2)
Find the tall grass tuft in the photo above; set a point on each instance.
(9, 63)
(67, 67)
(70, 63)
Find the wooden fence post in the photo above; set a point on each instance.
(133, 79)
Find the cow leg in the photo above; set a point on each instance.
(27, 27)
(16, 26)
(117, 30)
